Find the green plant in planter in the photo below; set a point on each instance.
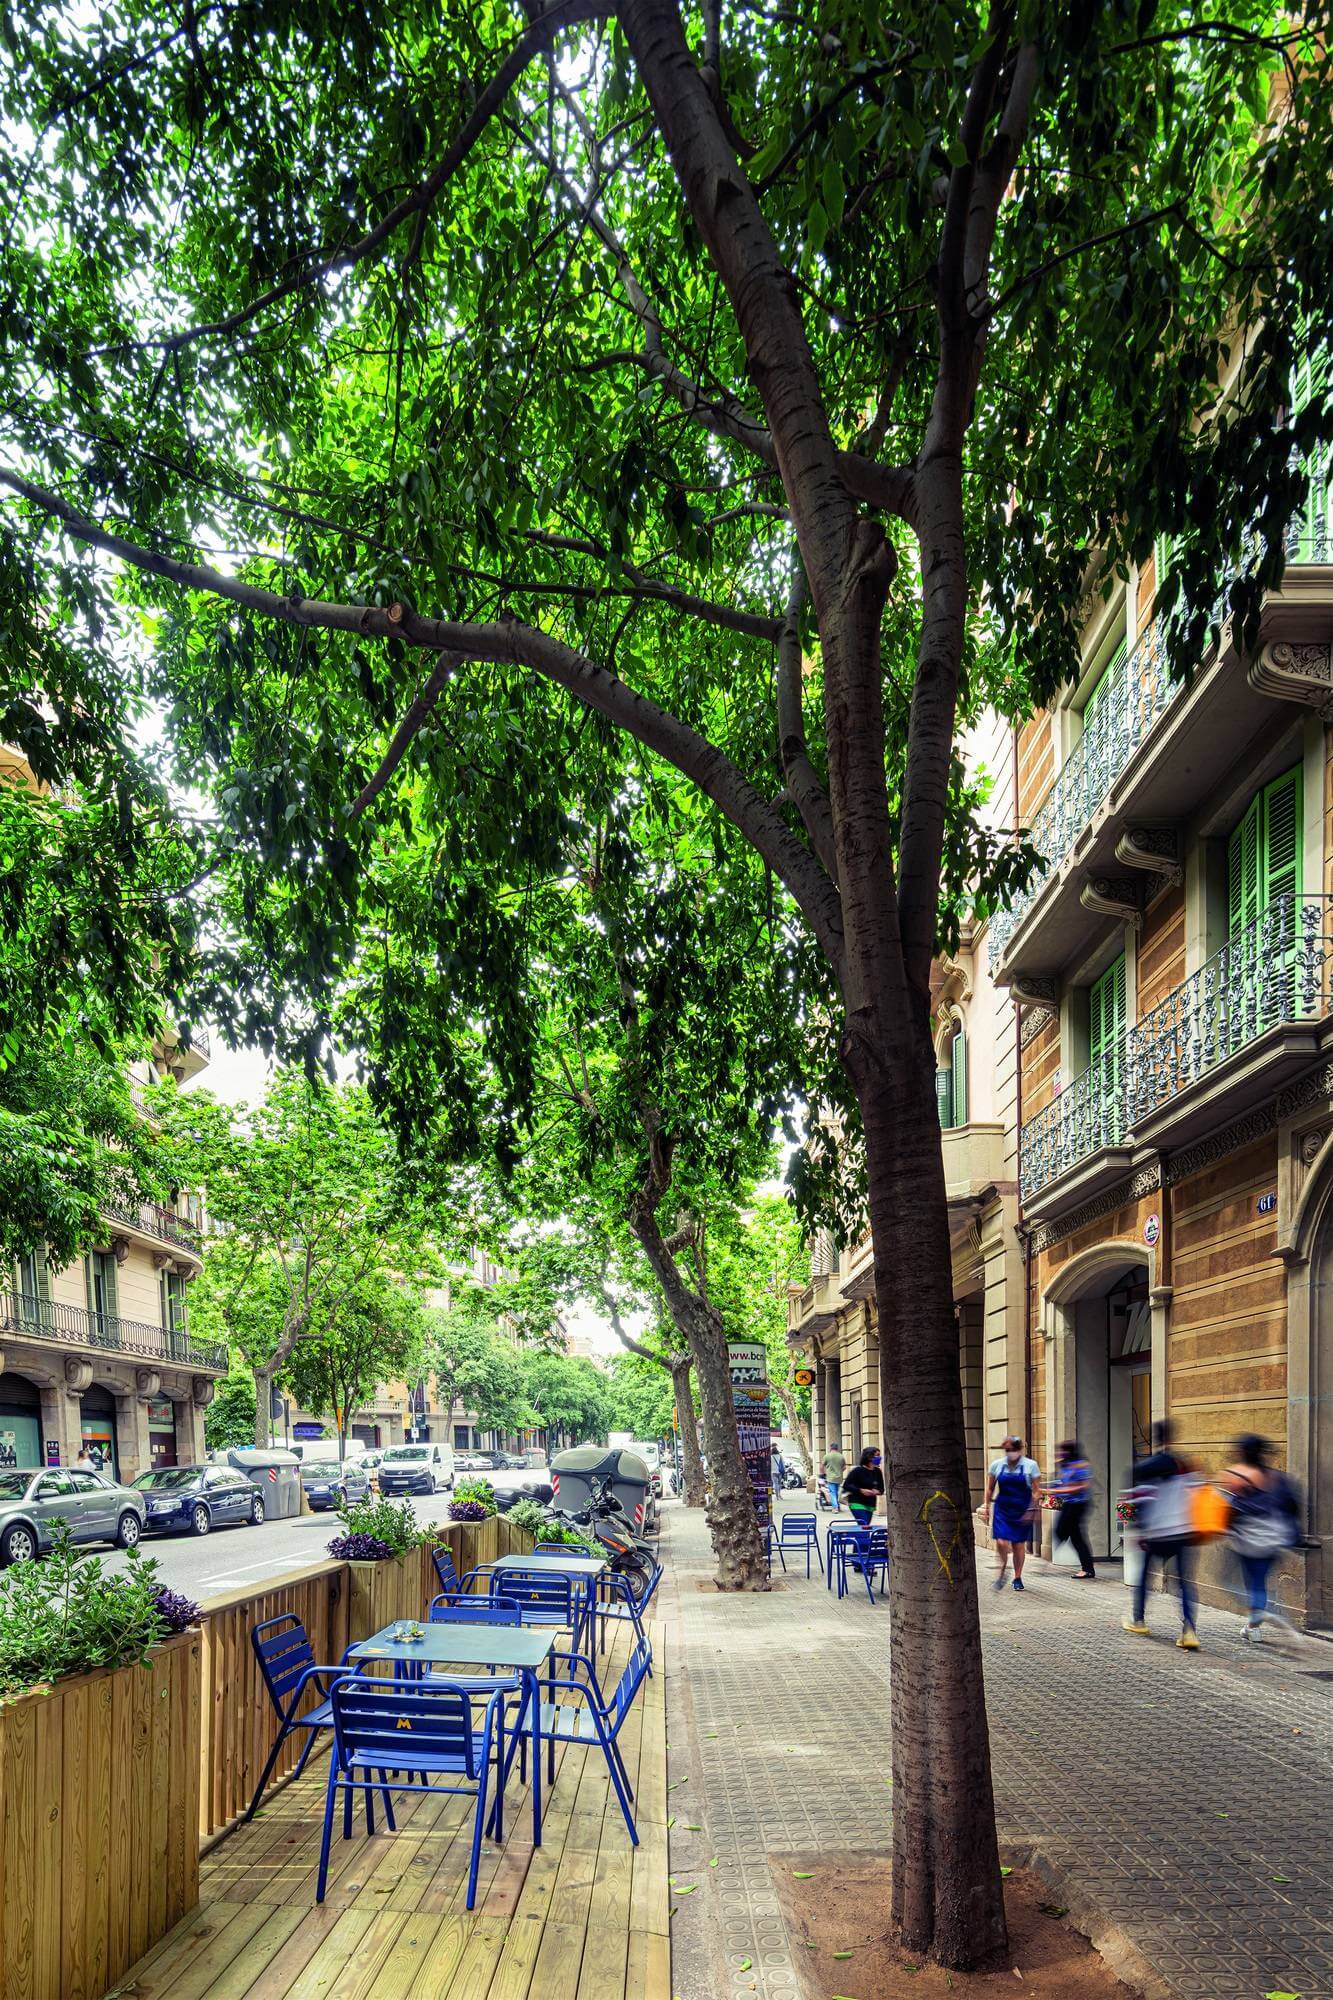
(376, 1531)
(530, 1515)
(553, 1534)
(67, 1615)
(473, 1500)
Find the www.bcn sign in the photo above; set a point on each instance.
(748, 1361)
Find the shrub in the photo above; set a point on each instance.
(474, 1500)
(529, 1514)
(376, 1531)
(67, 1615)
(555, 1534)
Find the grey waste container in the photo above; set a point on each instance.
(277, 1474)
(575, 1474)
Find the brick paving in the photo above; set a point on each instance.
(1184, 1797)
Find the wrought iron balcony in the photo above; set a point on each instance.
(1138, 693)
(152, 1219)
(1087, 1117)
(1275, 973)
(42, 1319)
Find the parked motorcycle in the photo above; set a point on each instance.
(627, 1552)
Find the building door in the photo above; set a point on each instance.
(858, 1439)
(97, 1427)
(1140, 1410)
(20, 1423)
(1112, 1389)
(161, 1432)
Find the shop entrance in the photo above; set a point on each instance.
(97, 1427)
(1113, 1391)
(970, 1312)
(20, 1423)
(161, 1432)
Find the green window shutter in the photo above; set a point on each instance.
(944, 1097)
(1107, 1009)
(1282, 839)
(90, 1282)
(43, 1274)
(1162, 549)
(1243, 870)
(958, 1068)
(1102, 685)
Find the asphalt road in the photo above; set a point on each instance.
(232, 1558)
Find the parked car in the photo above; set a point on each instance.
(651, 1454)
(370, 1465)
(325, 1483)
(417, 1468)
(92, 1507)
(195, 1499)
(481, 1462)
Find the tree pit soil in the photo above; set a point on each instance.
(838, 1904)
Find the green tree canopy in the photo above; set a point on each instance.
(641, 1400)
(374, 1332)
(567, 1395)
(475, 1364)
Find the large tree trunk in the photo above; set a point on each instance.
(691, 1460)
(947, 1895)
(263, 1408)
(732, 1520)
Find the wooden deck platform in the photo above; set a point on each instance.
(583, 1917)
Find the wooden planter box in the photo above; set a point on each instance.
(99, 1791)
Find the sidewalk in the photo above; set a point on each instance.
(1186, 1797)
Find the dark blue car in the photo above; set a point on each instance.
(195, 1499)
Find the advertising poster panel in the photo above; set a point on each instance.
(749, 1393)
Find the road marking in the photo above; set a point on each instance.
(239, 1575)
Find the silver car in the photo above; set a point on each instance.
(93, 1508)
(328, 1484)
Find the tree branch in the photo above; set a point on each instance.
(803, 782)
(506, 642)
(431, 690)
(317, 265)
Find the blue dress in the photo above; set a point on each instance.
(1013, 1500)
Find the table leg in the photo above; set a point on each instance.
(534, 1695)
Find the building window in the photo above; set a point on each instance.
(99, 1272)
(1106, 1019)
(174, 1310)
(32, 1276)
(1264, 853)
(951, 1081)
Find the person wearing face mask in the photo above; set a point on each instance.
(863, 1486)
(1013, 1494)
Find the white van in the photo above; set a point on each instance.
(417, 1468)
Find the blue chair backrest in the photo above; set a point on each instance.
(802, 1526)
(475, 1611)
(388, 1722)
(283, 1651)
(628, 1684)
(536, 1591)
(445, 1569)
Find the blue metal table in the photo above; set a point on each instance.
(524, 1649)
(584, 1569)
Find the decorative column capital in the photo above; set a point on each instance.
(1288, 671)
(1114, 896)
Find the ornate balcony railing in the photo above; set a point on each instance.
(1088, 1115)
(1138, 693)
(154, 1220)
(1276, 972)
(43, 1319)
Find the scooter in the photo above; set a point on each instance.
(608, 1523)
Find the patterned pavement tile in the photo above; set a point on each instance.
(1185, 1796)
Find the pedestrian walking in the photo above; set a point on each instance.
(833, 1468)
(1072, 1487)
(1013, 1493)
(864, 1487)
(1163, 1494)
(1265, 1521)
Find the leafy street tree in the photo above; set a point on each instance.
(72, 1145)
(641, 1397)
(732, 394)
(317, 1204)
(567, 1396)
(373, 1333)
(475, 1366)
(229, 1419)
(756, 1256)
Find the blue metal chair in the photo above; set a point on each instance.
(772, 1546)
(451, 1583)
(801, 1531)
(591, 1717)
(839, 1533)
(544, 1596)
(447, 1610)
(288, 1668)
(867, 1554)
(373, 1721)
(617, 1603)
